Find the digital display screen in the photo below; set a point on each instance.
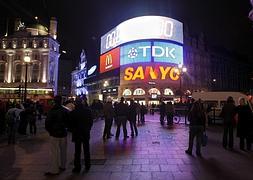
(167, 52)
(141, 28)
(135, 53)
(109, 60)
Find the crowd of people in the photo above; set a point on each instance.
(77, 117)
(16, 117)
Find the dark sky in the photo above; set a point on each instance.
(82, 22)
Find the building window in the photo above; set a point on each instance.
(127, 92)
(168, 92)
(139, 92)
(35, 73)
(2, 69)
(18, 73)
(154, 91)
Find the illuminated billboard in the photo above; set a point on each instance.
(148, 72)
(110, 60)
(140, 28)
(149, 51)
(135, 53)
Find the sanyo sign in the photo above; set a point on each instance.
(140, 28)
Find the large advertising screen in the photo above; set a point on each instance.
(151, 51)
(140, 28)
(110, 60)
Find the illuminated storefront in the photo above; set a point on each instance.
(143, 53)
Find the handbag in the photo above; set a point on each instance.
(204, 139)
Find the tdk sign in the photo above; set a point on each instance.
(151, 51)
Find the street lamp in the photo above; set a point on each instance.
(27, 60)
(181, 70)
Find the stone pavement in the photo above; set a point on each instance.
(157, 153)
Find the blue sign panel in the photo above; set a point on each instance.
(167, 52)
(135, 53)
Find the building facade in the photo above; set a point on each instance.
(40, 45)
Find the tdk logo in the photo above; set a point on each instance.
(156, 51)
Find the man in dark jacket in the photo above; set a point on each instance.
(81, 123)
(132, 118)
(121, 111)
(56, 125)
(228, 114)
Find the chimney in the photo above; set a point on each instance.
(17, 24)
(53, 27)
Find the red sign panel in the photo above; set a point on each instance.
(110, 60)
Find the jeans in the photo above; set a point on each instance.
(133, 127)
(228, 137)
(198, 132)
(107, 128)
(121, 120)
(86, 151)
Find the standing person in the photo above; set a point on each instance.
(31, 118)
(170, 111)
(244, 125)
(56, 124)
(12, 117)
(138, 112)
(197, 126)
(162, 112)
(228, 114)
(143, 112)
(81, 123)
(108, 114)
(121, 111)
(132, 118)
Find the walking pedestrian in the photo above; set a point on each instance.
(244, 124)
(56, 124)
(228, 115)
(143, 112)
(81, 123)
(197, 127)
(121, 111)
(132, 118)
(109, 114)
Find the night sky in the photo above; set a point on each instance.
(82, 22)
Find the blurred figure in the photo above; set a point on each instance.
(121, 111)
(2, 117)
(244, 124)
(56, 124)
(31, 118)
(12, 118)
(170, 111)
(143, 112)
(197, 120)
(228, 114)
(138, 112)
(162, 113)
(81, 123)
(109, 114)
(132, 118)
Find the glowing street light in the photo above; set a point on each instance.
(181, 70)
(27, 60)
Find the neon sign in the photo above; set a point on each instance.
(140, 28)
(109, 60)
(148, 72)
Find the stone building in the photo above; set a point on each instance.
(39, 43)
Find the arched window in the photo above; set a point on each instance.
(127, 92)
(139, 92)
(35, 72)
(18, 73)
(154, 91)
(168, 92)
(2, 70)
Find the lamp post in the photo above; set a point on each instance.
(181, 71)
(27, 60)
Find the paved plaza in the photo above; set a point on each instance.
(157, 153)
